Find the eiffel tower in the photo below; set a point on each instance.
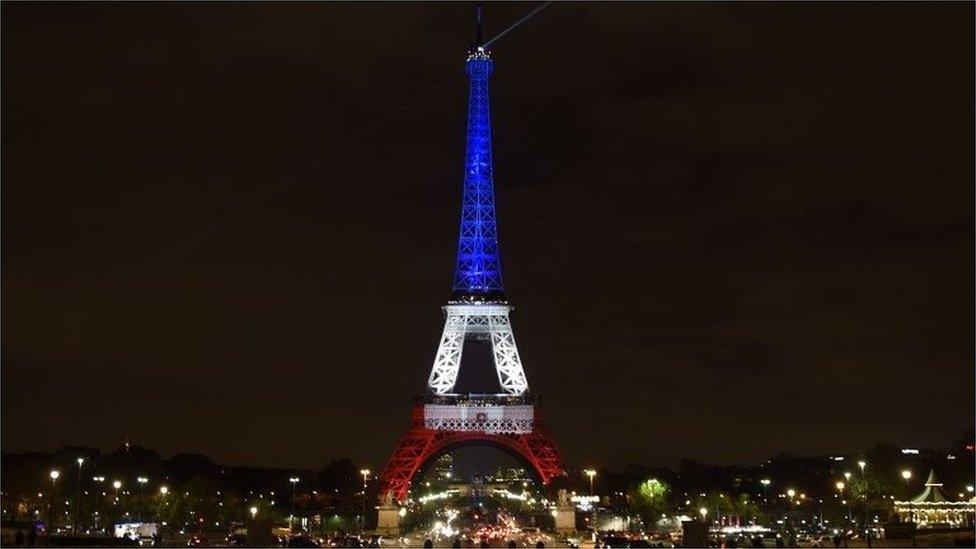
(443, 419)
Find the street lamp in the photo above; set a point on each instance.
(365, 473)
(291, 513)
(81, 461)
(765, 484)
(703, 511)
(840, 489)
(791, 493)
(95, 514)
(254, 512)
(163, 490)
(142, 483)
(907, 475)
(590, 473)
(862, 464)
(117, 484)
(54, 474)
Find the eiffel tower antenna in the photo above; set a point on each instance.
(478, 41)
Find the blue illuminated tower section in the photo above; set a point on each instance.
(478, 274)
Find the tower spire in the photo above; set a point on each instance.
(478, 41)
(478, 274)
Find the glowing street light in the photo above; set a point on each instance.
(847, 475)
(163, 490)
(590, 473)
(862, 464)
(703, 512)
(80, 461)
(907, 475)
(254, 512)
(840, 488)
(116, 484)
(969, 488)
(54, 474)
(291, 513)
(365, 473)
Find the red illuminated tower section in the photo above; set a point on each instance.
(444, 419)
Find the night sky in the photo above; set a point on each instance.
(729, 230)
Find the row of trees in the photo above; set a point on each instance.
(187, 491)
(200, 494)
(763, 492)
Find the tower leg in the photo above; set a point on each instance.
(447, 362)
(508, 364)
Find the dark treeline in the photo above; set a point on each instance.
(199, 492)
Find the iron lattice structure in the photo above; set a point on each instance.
(445, 420)
(477, 320)
(420, 446)
(478, 271)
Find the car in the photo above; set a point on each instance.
(347, 541)
(198, 540)
(237, 540)
(302, 541)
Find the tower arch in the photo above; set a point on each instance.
(424, 442)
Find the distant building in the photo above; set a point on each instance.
(932, 509)
(443, 468)
(507, 475)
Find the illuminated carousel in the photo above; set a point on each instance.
(932, 509)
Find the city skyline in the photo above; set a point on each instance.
(716, 251)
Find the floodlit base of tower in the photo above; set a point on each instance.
(388, 520)
(438, 428)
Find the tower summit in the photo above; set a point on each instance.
(478, 273)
